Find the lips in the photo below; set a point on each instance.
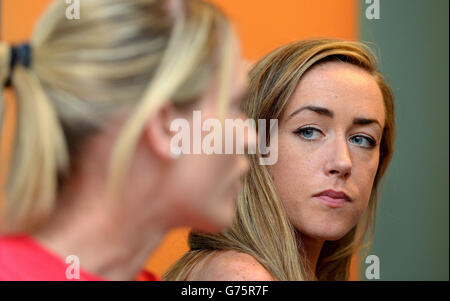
(332, 198)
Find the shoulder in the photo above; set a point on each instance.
(229, 266)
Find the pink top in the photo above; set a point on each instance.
(22, 258)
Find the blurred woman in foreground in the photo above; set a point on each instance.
(93, 174)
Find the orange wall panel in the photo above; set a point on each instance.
(19, 18)
(264, 25)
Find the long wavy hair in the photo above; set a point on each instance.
(261, 227)
(120, 57)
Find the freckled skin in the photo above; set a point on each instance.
(332, 159)
(229, 266)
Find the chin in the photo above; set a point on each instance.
(223, 224)
(213, 228)
(333, 236)
(216, 225)
(327, 232)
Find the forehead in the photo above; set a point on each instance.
(344, 88)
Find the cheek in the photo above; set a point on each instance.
(209, 172)
(364, 171)
(295, 172)
(202, 196)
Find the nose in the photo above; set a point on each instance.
(339, 163)
(249, 142)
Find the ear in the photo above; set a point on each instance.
(156, 132)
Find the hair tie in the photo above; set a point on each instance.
(19, 55)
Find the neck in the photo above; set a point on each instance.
(312, 248)
(110, 242)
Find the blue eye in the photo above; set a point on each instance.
(363, 141)
(308, 133)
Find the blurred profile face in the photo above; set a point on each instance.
(207, 185)
(329, 148)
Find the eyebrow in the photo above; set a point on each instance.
(318, 110)
(328, 113)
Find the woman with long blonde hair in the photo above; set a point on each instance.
(304, 217)
(94, 184)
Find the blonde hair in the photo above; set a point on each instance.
(120, 56)
(261, 227)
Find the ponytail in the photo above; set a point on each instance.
(39, 151)
(4, 63)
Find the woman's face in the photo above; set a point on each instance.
(329, 138)
(207, 185)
